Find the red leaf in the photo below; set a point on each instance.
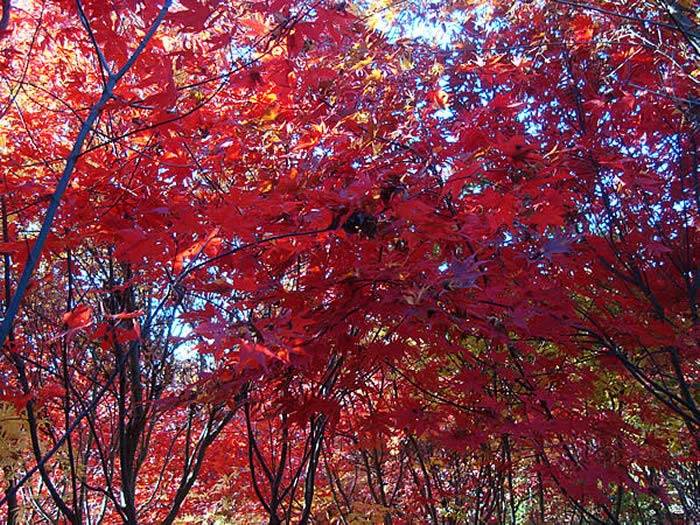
(79, 317)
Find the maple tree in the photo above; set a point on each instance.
(334, 262)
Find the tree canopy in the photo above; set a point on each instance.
(350, 262)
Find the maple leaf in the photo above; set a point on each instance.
(558, 245)
(583, 28)
(253, 356)
(438, 99)
(518, 149)
(465, 273)
(194, 16)
(79, 317)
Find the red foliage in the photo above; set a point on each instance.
(288, 262)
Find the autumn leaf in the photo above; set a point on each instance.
(79, 317)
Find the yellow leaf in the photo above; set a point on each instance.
(375, 76)
(361, 117)
(270, 114)
(362, 63)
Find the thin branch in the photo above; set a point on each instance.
(104, 65)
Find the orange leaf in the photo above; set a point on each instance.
(79, 317)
